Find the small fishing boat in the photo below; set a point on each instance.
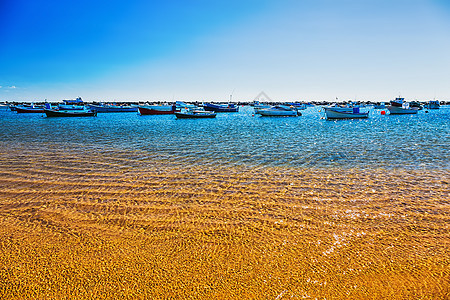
(230, 107)
(433, 104)
(297, 105)
(76, 104)
(70, 113)
(181, 105)
(280, 111)
(157, 109)
(379, 105)
(333, 113)
(112, 108)
(196, 113)
(400, 107)
(257, 106)
(415, 104)
(49, 112)
(29, 109)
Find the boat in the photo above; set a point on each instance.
(415, 104)
(195, 114)
(400, 107)
(433, 104)
(180, 105)
(257, 106)
(280, 111)
(112, 108)
(297, 105)
(69, 113)
(76, 104)
(29, 109)
(230, 107)
(156, 109)
(379, 105)
(49, 112)
(333, 113)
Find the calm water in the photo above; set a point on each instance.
(419, 141)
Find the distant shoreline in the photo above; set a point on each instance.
(245, 103)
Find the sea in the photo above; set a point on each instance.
(243, 139)
(237, 207)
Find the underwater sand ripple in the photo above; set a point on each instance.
(156, 230)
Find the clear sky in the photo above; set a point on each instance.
(206, 50)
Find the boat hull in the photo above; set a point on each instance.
(22, 110)
(69, 113)
(395, 110)
(156, 109)
(195, 115)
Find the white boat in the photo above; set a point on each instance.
(333, 113)
(4, 106)
(400, 107)
(76, 104)
(257, 106)
(279, 111)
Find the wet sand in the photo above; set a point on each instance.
(109, 226)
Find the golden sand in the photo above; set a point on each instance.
(74, 229)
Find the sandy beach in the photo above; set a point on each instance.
(74, 229)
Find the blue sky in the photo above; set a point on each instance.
(206, 50)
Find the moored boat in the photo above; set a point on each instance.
(156, 109)
(230, 107)
(49, 112)
(76, 104)
(379, 105)
(195, 114)
(70, 113)
(27, 110)
(433, 104)
(279, 111)
(333, 113)
(400, 107)
(297, 105)
(395, 110)
(257, 106)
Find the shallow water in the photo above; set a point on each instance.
(237, 207)
(240, 139)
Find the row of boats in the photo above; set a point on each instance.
(77, 108)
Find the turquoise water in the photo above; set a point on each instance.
(419, 141)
